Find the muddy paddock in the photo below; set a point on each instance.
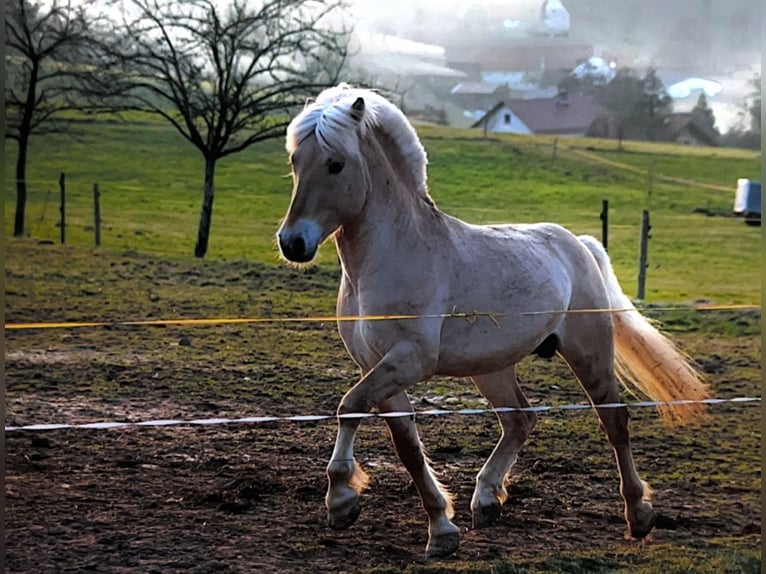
(246, 498)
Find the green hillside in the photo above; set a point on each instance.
(151, 180)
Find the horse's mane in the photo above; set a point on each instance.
(329, 118)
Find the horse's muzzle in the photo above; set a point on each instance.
(299, 241)
(295, 249)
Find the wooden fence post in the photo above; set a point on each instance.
(605, 223)
(97, 213)
(62, 207)
(642, 253)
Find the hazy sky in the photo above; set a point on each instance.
(699, 31)
(391, 9)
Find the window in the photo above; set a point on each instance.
(507, 118)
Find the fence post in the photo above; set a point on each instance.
(605, 223)
(555, 149)
(643, 248)
(62, 207)
(97, 213)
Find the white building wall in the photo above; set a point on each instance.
(505, 121)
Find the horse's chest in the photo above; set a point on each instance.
(353, 332)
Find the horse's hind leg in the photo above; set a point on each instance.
(502, 390)
(443, 535)
(588, 348)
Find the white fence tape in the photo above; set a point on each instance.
(315, 418)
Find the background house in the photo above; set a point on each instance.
(572, 116)
(689, 129)
(501, 119)
(686, 128)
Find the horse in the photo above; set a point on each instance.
(359, 177)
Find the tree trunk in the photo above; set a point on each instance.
(206, 214)
(25, 130)
(21, 187)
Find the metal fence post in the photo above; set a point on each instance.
(62, 207)
(97, 213)
(642, 254)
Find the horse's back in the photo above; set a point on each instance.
(530, 256)
(568, 258)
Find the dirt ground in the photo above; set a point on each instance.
(249, 497)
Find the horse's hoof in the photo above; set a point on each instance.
(442, 546)
(485, 516)
(639, 532)
(343, 517)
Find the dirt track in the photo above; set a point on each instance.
(248, 498)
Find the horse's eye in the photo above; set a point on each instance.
(335, 167)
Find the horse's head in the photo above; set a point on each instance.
(330, 178)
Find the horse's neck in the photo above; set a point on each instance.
(398, 215)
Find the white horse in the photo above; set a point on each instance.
(359, 173)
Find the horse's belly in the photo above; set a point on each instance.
(469, 366)
(487, 344)
(505, 333)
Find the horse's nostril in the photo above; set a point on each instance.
(294, 249)
(284, 246)
(299, 246)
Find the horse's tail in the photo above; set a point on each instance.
(647, 359)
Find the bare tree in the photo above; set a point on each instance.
(225, 76)
(746, 131)
(42, 44)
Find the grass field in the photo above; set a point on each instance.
(150, 181)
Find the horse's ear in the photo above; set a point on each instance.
(357, 109)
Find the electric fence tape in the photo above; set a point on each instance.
(397, 414)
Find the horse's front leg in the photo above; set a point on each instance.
(404, 365)
(443, 535)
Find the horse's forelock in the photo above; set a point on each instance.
(302, 126)
(330, 119)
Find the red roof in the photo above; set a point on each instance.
(552, 115)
